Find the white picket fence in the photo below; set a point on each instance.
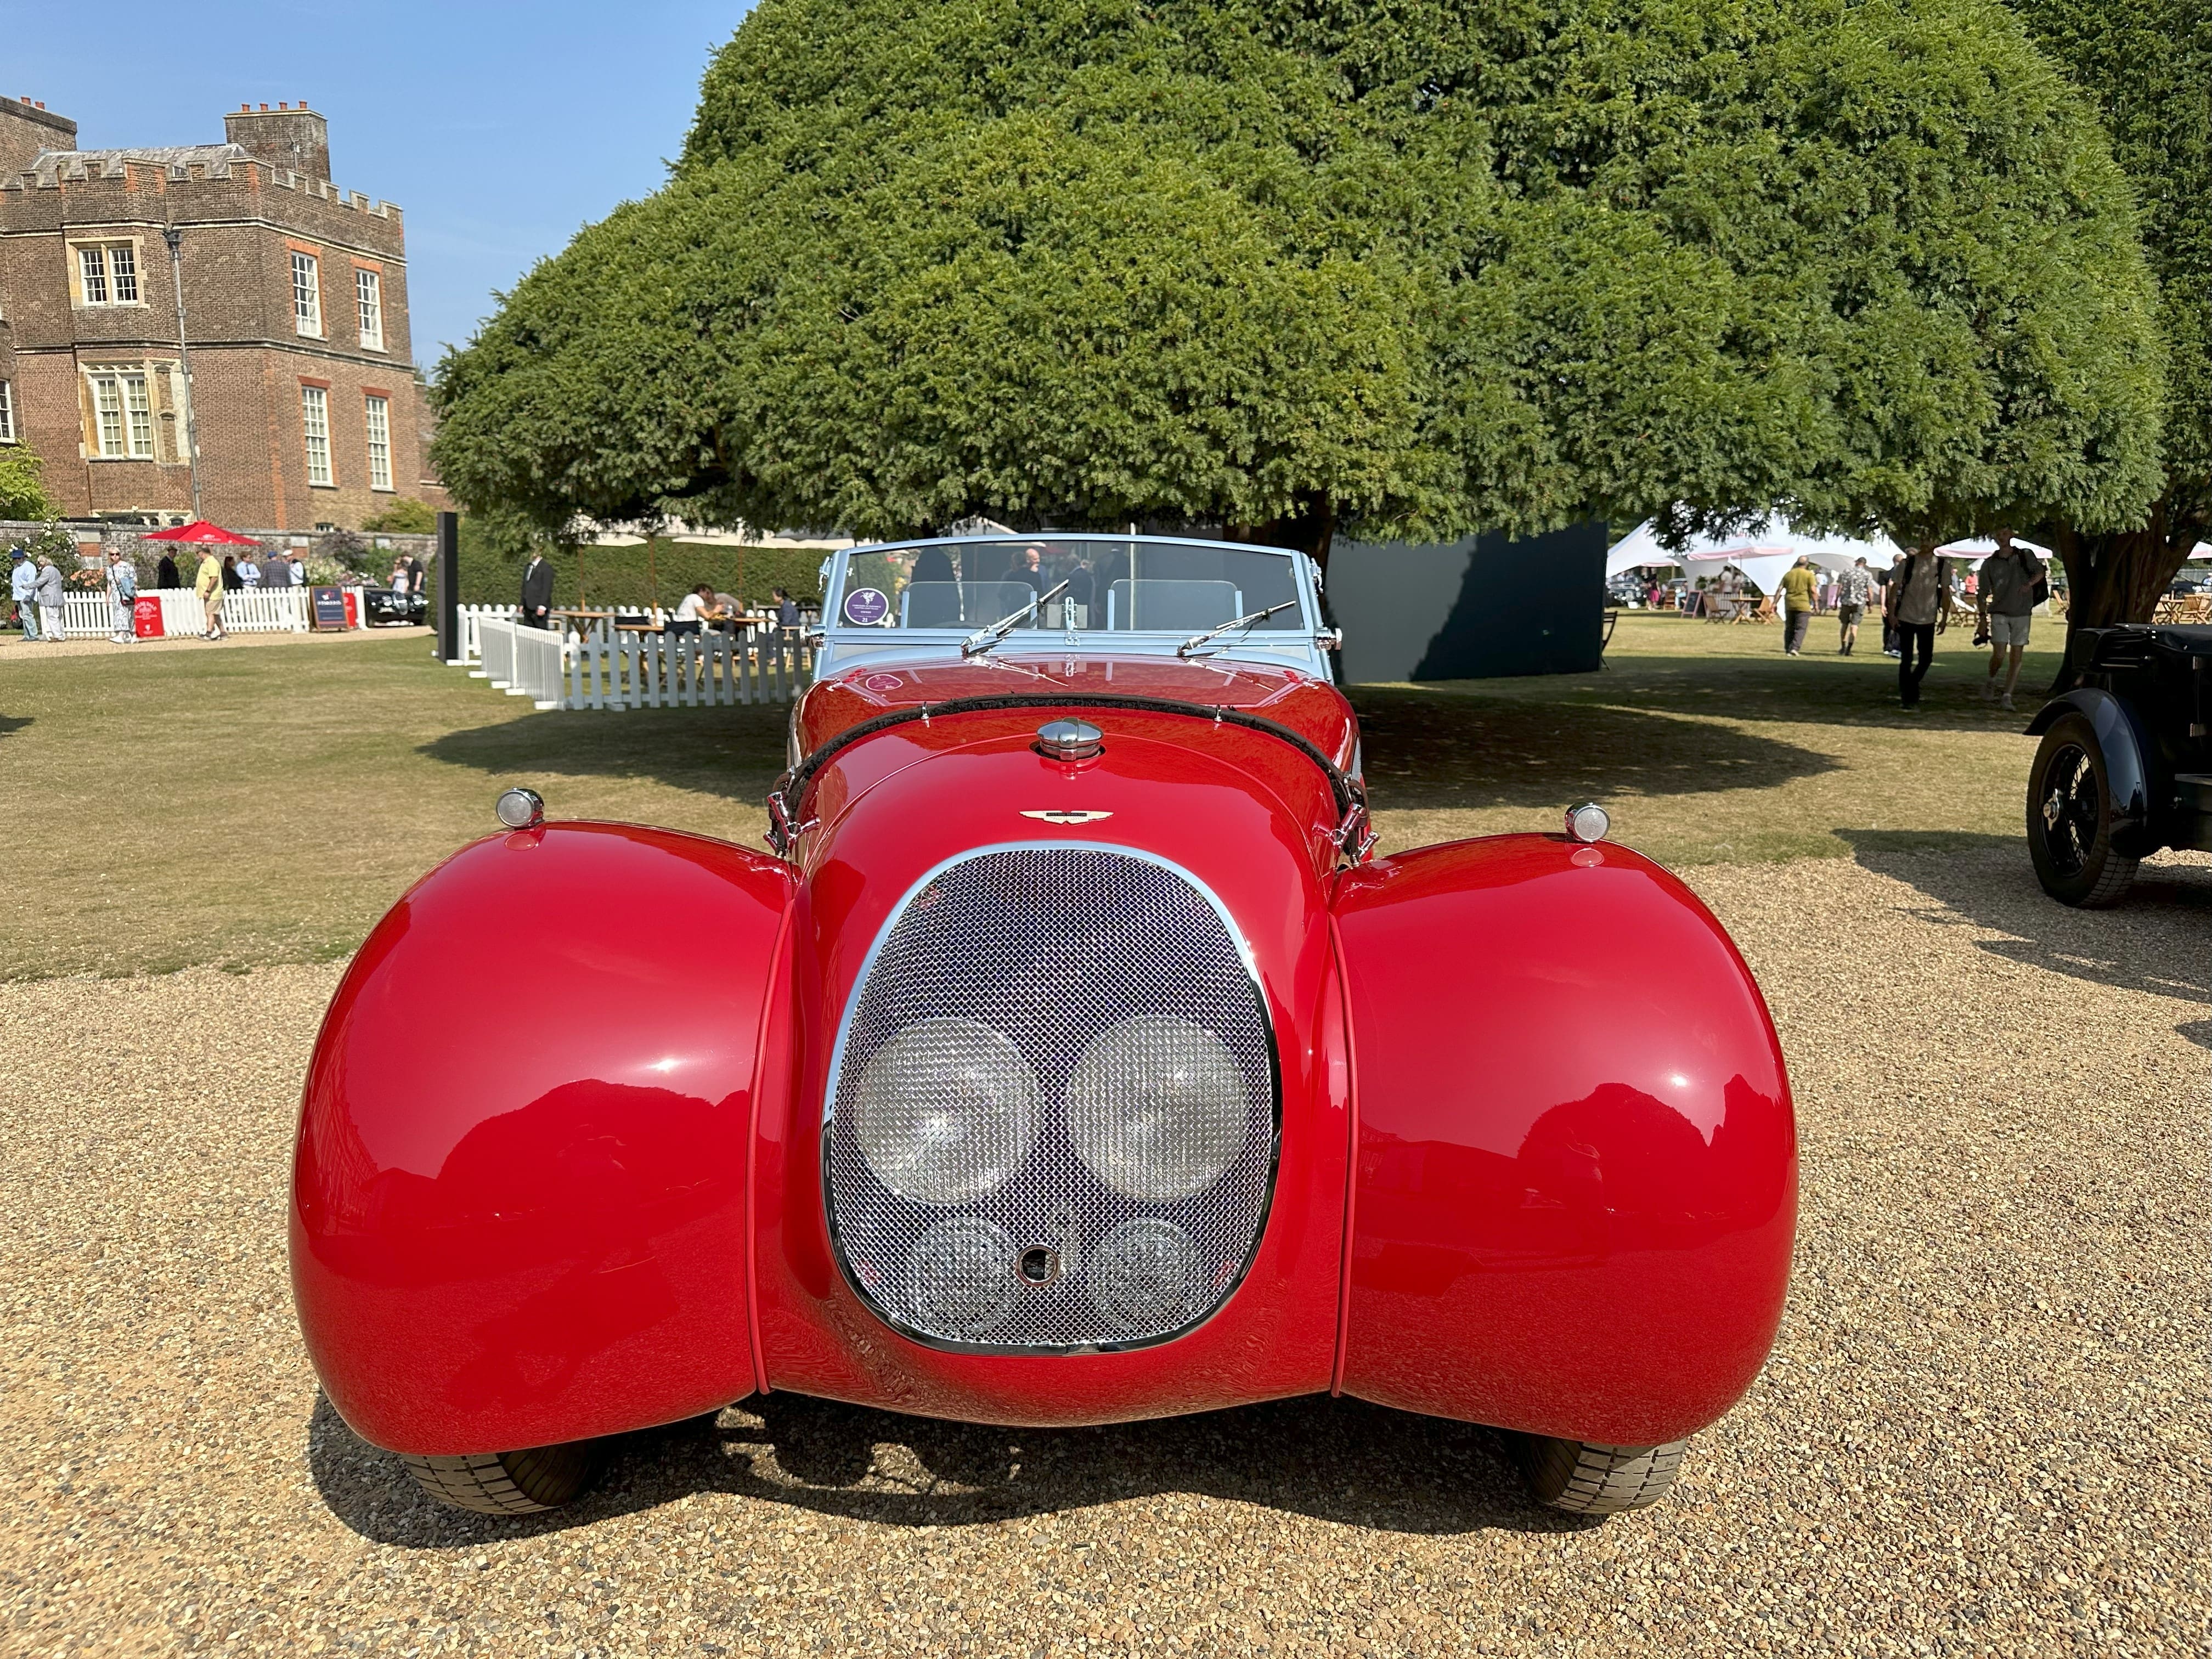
(471, 616)
(249, 611)
(642, 670)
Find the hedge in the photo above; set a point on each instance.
(629, 576)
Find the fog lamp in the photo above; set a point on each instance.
(1156, 1107)
(520, 809)
(945, 1111)
(1146, 1277)
(960, 1277)
(1588, 822)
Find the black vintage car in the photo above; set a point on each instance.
(2126, 767)
(385, 606)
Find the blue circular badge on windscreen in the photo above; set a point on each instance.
(864, 607)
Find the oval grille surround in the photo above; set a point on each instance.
(1051, 945)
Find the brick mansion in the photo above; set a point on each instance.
(303, 397)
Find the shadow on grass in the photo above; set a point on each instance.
(1334, 1459)
(735, 752)
(2153, 940)
(1820, 688)
(10, 724)
(1425, 750)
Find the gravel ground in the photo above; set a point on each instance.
(1984, 1430)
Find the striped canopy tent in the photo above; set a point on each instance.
(1762, 553)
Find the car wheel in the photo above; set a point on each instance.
(1587, 1478)
(2069, 819)
(509, 1483)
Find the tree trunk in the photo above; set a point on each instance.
(2116, 578)
(1310, 529)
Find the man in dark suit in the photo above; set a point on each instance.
(538, 592)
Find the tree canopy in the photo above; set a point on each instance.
(22, 492)
(2147, 65)
(1285, 264)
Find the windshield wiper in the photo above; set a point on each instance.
(984, 638)
(1189, 646)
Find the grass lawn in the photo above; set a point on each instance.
(243, 806)
(1708, 745)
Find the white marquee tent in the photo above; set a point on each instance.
(1761, 553)
(1980, 547)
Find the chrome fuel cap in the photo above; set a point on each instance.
(1070, 740)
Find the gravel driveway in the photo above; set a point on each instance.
(1984, 1430)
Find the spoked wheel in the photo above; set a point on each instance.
(1588, 1479)
(509, 1483)
(2069, 819)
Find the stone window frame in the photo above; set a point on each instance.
(132, 423)
(315, 400)
(308, 318)
(371, 398)
(8, 432)
(368, 303)
(107, 247)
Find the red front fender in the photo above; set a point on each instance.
(520, 1207)
(1577, 1179)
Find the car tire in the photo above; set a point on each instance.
(1586, 1478)
(2069, 819)
(509, 1483)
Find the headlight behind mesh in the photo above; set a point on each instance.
(946, 1111)
(1157, 1108)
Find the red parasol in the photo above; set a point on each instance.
(200, 530)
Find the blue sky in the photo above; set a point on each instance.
(500, 128)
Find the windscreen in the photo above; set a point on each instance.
(1123, 586)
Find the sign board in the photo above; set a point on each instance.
(866, 607)
(330, 609)
(146, 617)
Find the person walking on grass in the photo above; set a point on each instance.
(209, 584)
(166, 573)
(23, 588)
(1918, 604)
(51, 591)
(1853, 590)
(1799, 586)
(122, 597)
(2005, 596)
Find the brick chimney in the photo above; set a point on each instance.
(289, 135)
(25, 128)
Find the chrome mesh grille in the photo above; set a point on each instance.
(1054, 948)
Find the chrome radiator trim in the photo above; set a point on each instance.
(1266, 1075)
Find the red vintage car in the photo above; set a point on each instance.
(1068, 1060)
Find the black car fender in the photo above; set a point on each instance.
(2129, 756)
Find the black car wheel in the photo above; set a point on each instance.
(1587, 1478)
(2069, 819)
(509, 1483)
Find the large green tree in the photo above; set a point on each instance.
(1289, 267)
(2148, 63)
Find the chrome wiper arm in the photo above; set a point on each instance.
(1189, 646)
(984, 638)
